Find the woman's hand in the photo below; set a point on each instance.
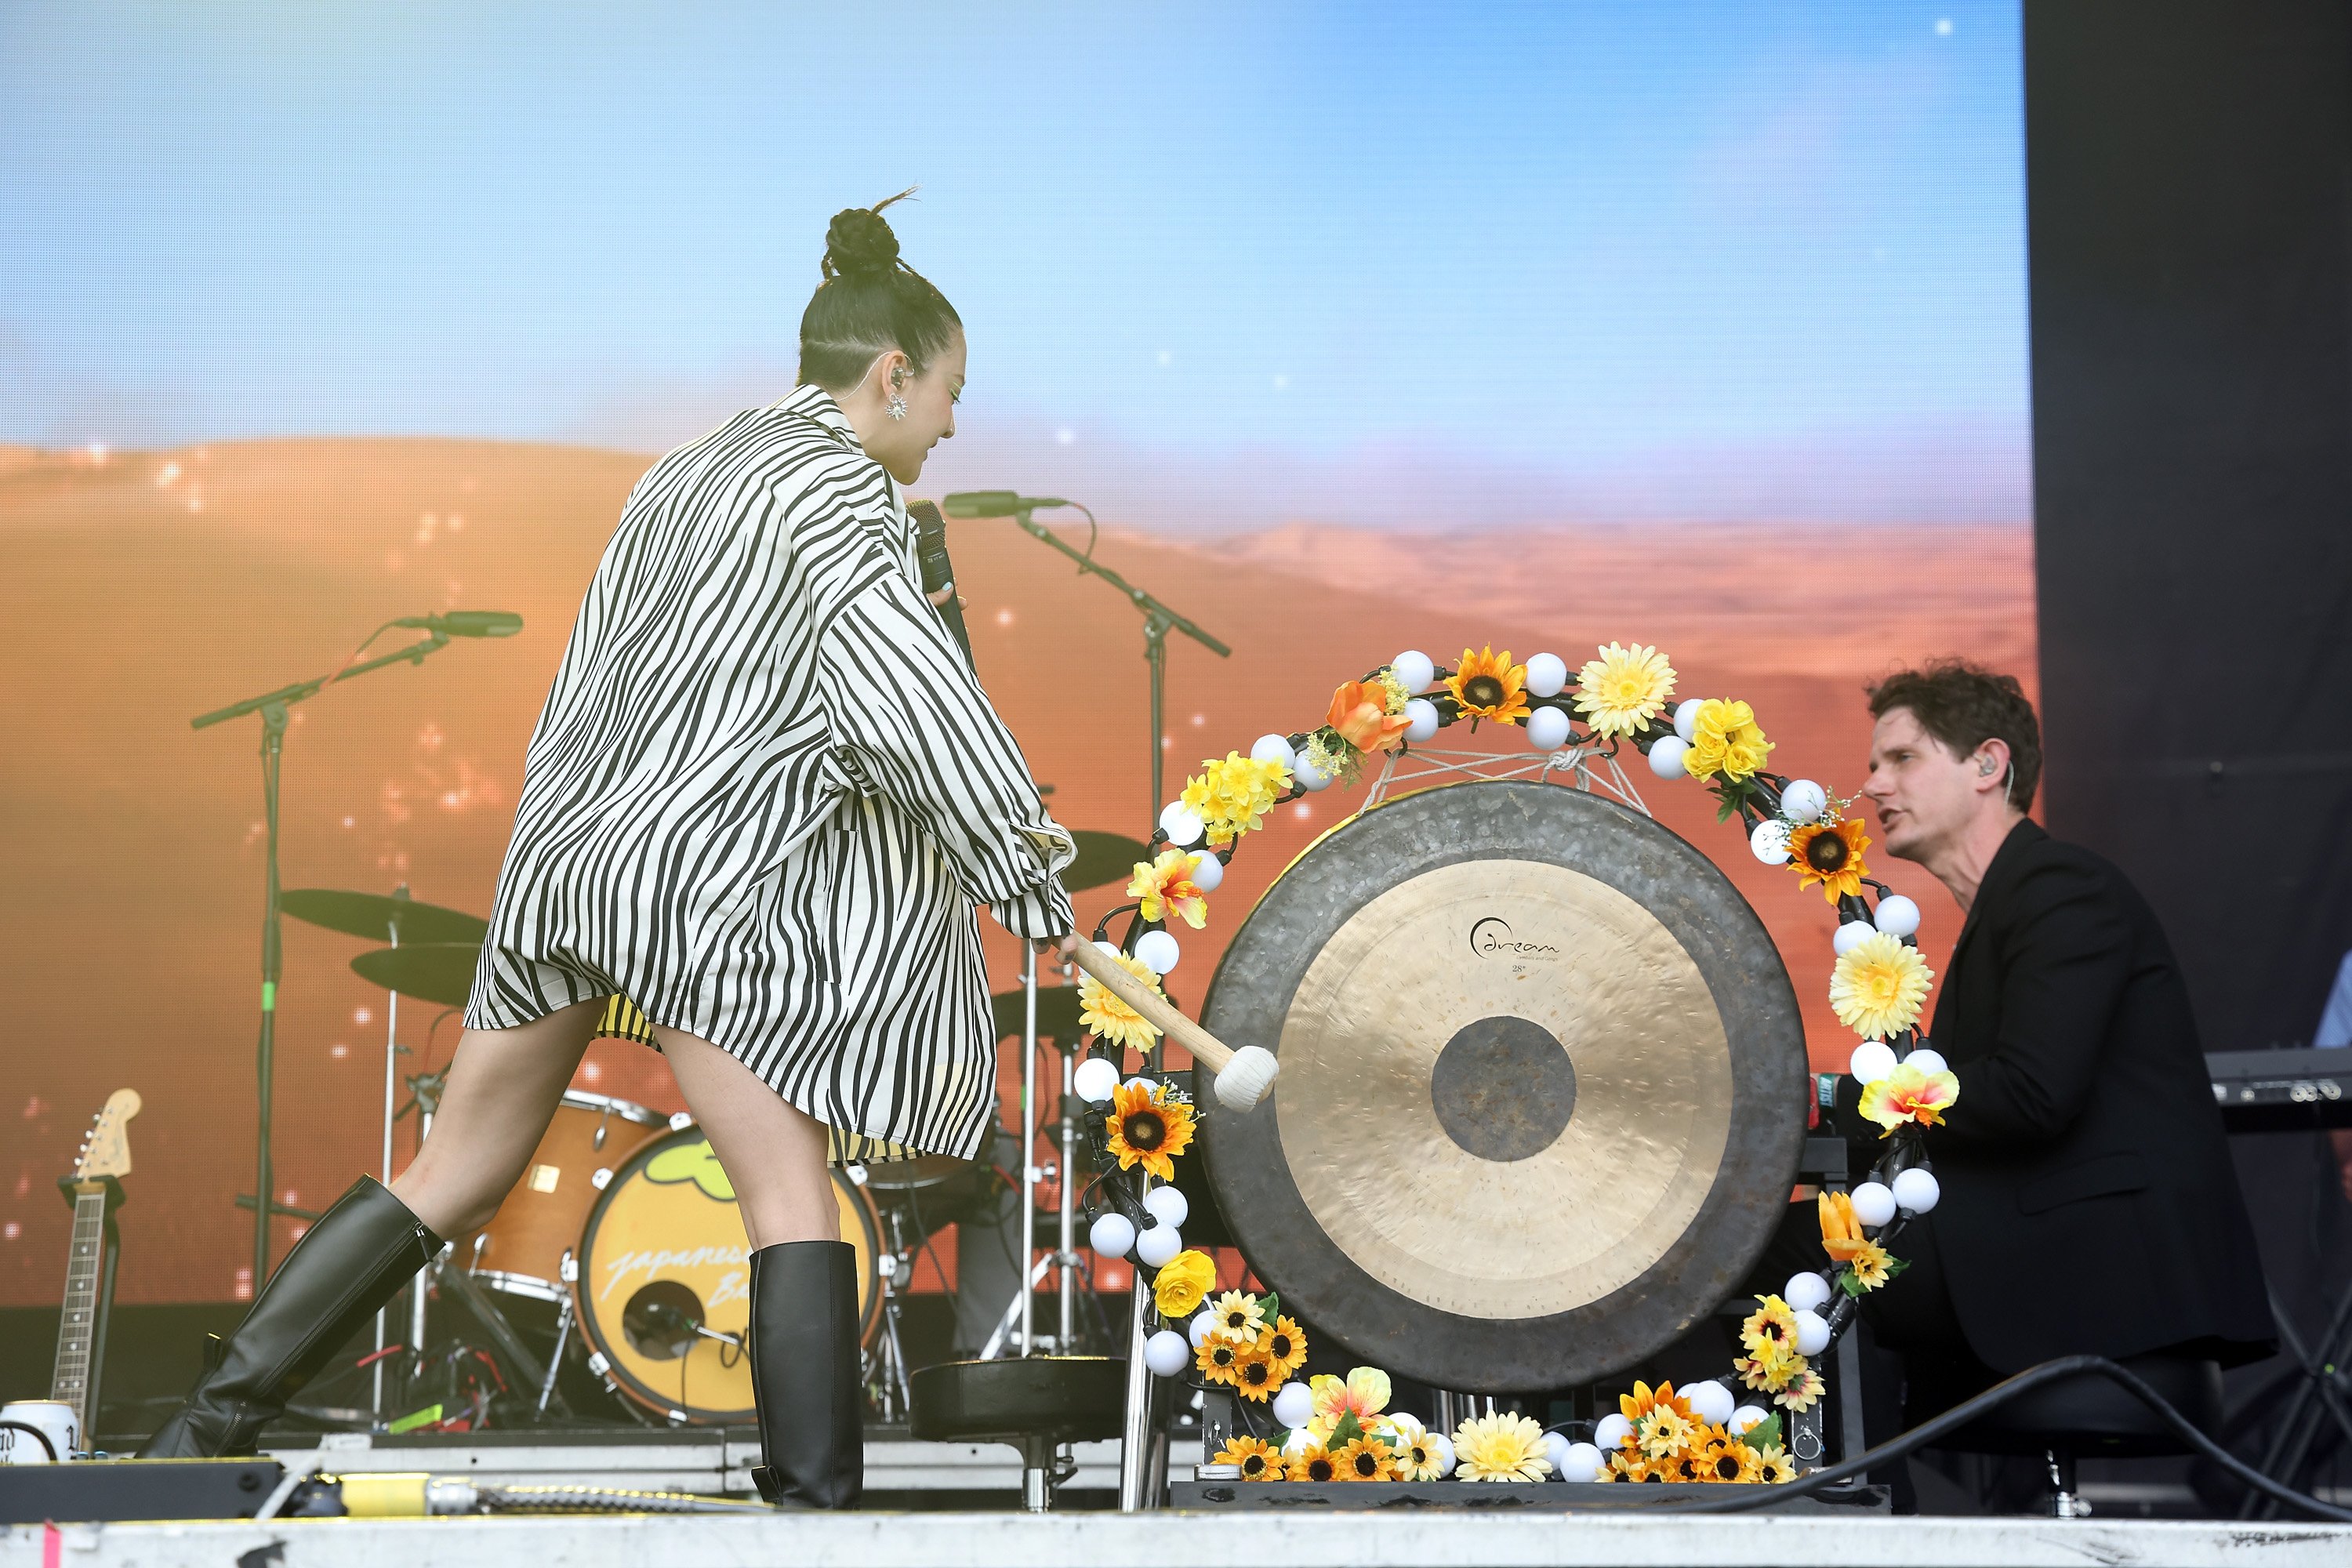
(942, 595)
(1064, 945)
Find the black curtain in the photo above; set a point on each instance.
(2187, 169)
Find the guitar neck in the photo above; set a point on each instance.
(77, 1324)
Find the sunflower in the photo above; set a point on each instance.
(1803, 1391)
(1254, 1377)
(1362, 717)
(1872, 1266)
(1829, 853)
(1239, 1317)
(1906, 1094)
(1726, 741)
(1282, 1346)
(1726, 1458)
(1365, 1459)
(1182, 1283)
(1149, 1125)
(1418, 1457)
(1771, 1330)
(1668, 1432)
(1500, 1448)
(1231, 797)
(1773, 1466)
(1310, 1464)
(1877, 987)
(1620, 691)
(1220, 1361)
(1769, 1373)
(1686, 1468)
(1628, 1465)
(1257, 1460)
(1487, 685)
(1112, 1019)
(1167, 890)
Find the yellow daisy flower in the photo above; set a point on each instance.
(1668, 1432)
(1772, 1330)
(1166, 887)
(1418, 1459)
(1637, 1406)
(1112, 1019)
(1768, 1373)
(1628, 1465)
(1803, 1391)
(1239, 1317)
(1231, 797)
(1182, 1283)
(1726, 741)
(1620, 691)
(1487, 685)
(1500, 1448)
(1257, 1460)
(1773, 1466)
(1878, 986)
(1149, 1125)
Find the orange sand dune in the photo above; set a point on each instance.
(147, 587)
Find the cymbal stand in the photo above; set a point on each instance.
(426, 1087)
(1065, 1257)
(1028, 1147)
(893, 1398)
(391, 1088)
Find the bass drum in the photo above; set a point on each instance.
(663, 1286)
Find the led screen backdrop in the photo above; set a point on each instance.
(1359, 328)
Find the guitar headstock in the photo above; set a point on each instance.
(106, 1151)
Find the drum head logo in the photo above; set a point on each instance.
(692, 1162)
(1492, 937)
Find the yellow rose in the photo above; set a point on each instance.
(1726, 741)
(1183, 1283)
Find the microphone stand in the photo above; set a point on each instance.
(1159, 620)
(272, 707)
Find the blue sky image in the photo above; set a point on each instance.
(1222, 266)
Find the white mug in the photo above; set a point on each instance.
(55, 1420)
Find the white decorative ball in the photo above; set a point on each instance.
(1208, 872)
(1167, 1205)
(1803, 801)
(1111, 948)
(1770, 841)
(1444, 1446)
(1547, 728)
(1686, 718)
(1272, 749)
(1927, 1061)
(1812, 1334)
(1916, 1190)
(1611, 1430)
(1420, 718)
(1158, 951)
(1307, 777)
(1710, 1401)
(1297, 1443)
(1141, 1082)
(1094, 1079)
(1871, 1061)
(1745, 1419)
(1897, 916)
(1166, 1354)
(1294, 1405)
(1556, 1451)
(1111, 1235)
(1181, 825)
(1850, 935)
(1415, 670)
(1806, 1292)
(1873, 1203)
(1547, 674)
(1155, 1247)
(1666, 754)
(1582, 1462)
(1198, 1330)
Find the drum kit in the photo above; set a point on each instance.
(624, 1224)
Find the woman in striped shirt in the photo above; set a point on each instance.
(761, 801)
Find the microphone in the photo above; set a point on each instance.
(996, 503)
(939, 572)
(467, 623)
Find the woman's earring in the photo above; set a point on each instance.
(896, 408)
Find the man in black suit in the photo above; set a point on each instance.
(2089, 1202)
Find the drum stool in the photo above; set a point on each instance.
(1036, 1404)
(2088, 1416)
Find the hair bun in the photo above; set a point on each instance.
(858, 243)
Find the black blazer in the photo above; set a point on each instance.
(2089, 1202)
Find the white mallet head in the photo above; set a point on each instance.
(1246, 1078)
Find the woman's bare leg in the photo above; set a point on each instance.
(504, 1086)
(773, 1152)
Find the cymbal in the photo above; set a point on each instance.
(1541, 1099)
(439, 972)
(376, 916)
(1103, 859)
(1057, 1014)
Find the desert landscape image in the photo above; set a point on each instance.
(146, 586)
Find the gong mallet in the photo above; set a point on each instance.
(1242, 1076)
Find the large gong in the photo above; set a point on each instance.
(1542, 1087)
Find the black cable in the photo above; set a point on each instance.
(47, 1446)
(2001, 1393)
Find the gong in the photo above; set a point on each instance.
(1543, 1092)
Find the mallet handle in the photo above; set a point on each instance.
(1156, 1010)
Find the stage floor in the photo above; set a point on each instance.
(1154, 1540)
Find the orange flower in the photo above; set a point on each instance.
(1906, 1094)
(1360, 713)
(1487, 685)
(1842, 1236)
(1148, 1126)
(1640, 1405)
(1166, 887)
(1829, 853)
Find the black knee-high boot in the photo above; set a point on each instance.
(358, 1254)
(805, 1373)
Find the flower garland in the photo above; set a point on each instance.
(1339, 1430)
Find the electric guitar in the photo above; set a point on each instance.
(105, 1153)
